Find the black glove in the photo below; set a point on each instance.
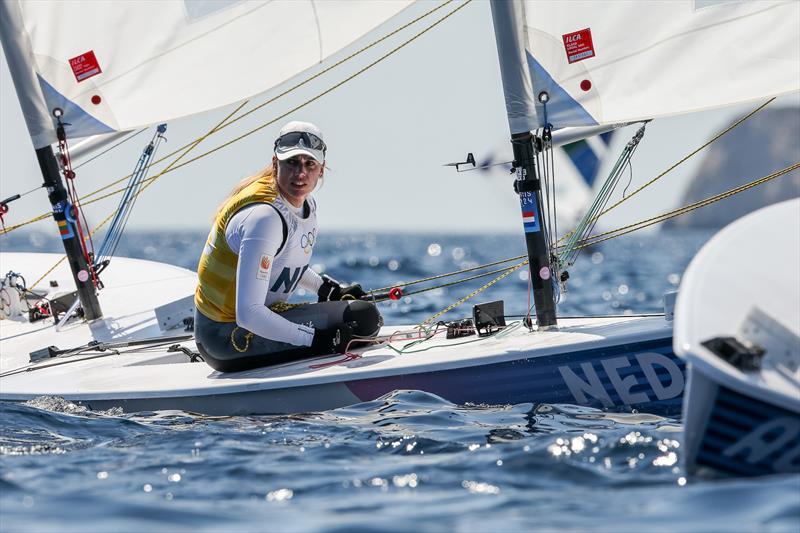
(333, 339)
(331, 291)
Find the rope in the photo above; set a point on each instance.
(473, 293)
(123, 141)
(35, 283)
(405, 349)
(4, 204)
(685, 209)
(226, 123)
(74, 207)
(616, 233)
(685, 158)
(146, 185)
(125, 208)
(456, 282)
(570, 252)
(291, 89)
(586, 242)
(440, 276)
(320, 95)
(175, 166)
(506, 271)
(247, 337)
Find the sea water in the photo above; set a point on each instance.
(407, 461)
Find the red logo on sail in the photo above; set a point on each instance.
(578, 45)
(85, 66)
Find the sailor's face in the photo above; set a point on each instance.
(297, 177)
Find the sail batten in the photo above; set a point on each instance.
(609, 62)
(115, 66)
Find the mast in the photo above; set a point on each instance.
(508, 18)
(529, 187)
(40, 127)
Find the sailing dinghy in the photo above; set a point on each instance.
(741, 341)
(570, 365)
(592, 67)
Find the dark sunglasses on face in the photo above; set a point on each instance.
(300, 138)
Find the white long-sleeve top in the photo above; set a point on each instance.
(264, 276)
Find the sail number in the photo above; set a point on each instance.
(589, 388)
(780, 436)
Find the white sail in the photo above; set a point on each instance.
(621, 61)
(119, 65)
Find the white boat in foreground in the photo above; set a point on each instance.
(614, 363)
(737, 325)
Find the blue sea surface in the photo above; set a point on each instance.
(407, 461)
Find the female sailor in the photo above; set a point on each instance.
(257, 254)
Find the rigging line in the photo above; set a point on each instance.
(405, 350)
(9, 229)
(340, 62)
(702, 147)
(601, 198)
(75, 357)
(554, 227)
(544, 189)
(681, 161)
(186, 150)
(586, 225)
(43, 216)
(227, 123)
(149, 181)
(35, 283)
(693, 206)
(108, 242)
(456, 282)
(126, 139)
(470, 295)
(143, 188)
(155, 143)
(331, 89)
(30, 191)
(685, 209)
(552, 230)
(630, 178)
(440, 276)
(224, 123)
(631, 148)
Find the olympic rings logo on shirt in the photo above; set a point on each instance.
(307, 241)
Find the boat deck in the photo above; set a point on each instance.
(602, 361)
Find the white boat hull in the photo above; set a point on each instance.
(617, 363)
(739, 419)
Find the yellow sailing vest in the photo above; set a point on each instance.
(215, 295)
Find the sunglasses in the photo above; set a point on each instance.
(302, 139)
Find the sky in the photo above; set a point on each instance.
(389, 132)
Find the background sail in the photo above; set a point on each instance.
(610, 62)
(121, 65)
